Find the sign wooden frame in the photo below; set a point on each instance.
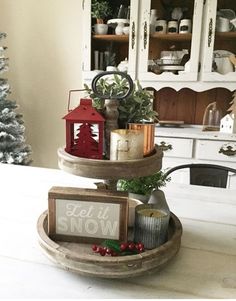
(100, 207)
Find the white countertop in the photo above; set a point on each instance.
(205, 266)
(196, 132)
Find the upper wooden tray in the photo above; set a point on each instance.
(80, 258)
(108, 169)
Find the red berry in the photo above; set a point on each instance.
(102, 252)
(141, 250)
(123, 246)
(114, 253)
(131, 246)
(94, 248)
(140, 245)
(100, 249)
(108, 251)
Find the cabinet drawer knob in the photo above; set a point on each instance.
(164, 146)
(227, 150)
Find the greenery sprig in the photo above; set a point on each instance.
(144, 185)
(138, 107)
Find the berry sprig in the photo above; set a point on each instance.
(104, 250)
(113, 248)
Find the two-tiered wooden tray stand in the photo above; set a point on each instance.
(80, 258)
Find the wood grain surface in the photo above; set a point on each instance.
(80, 258)
(188, 105)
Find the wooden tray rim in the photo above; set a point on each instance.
(110, 169)
(54, 247)
(157, 153)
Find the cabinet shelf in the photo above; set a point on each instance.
(226, 35)
(165, 37)
(111, 38)
(172, 37)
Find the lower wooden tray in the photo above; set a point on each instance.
(80, 258)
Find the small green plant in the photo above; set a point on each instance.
(100, 9)
(115, 87)
(138, 107)
(144, 185)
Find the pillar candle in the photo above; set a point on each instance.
(151, 226)
(126, 144)
(149, 135)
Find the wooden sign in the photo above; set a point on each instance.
(87, 215)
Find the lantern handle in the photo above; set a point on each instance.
(71, 91)
(107, 96)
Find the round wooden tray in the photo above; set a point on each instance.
(79, 258)
(108, 169)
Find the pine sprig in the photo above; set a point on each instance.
(112, 244)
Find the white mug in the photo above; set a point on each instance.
(172, 27)
(185, 26)
(223, 24)
(160, 26)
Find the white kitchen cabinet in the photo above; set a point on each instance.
(192, 145)
(216, 45)
(140, 47)
(151, 45)
(123, 46)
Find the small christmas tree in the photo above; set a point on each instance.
(232, 108)
(13, 149)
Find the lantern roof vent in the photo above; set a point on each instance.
(85, 112)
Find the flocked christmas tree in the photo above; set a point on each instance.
(13, 148)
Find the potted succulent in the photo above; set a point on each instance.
(100, 9)
(142, 187)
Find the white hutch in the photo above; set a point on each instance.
(204, 44)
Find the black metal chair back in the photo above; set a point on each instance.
(206, 174)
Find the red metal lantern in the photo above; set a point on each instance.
(81, 141)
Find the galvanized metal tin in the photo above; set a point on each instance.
(151, 225)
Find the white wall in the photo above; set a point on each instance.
(44, 48)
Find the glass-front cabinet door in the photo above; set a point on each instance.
(219, 41)
(169, 41)
(111, 45)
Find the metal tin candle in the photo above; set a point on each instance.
(126, 144)
(151, 225)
